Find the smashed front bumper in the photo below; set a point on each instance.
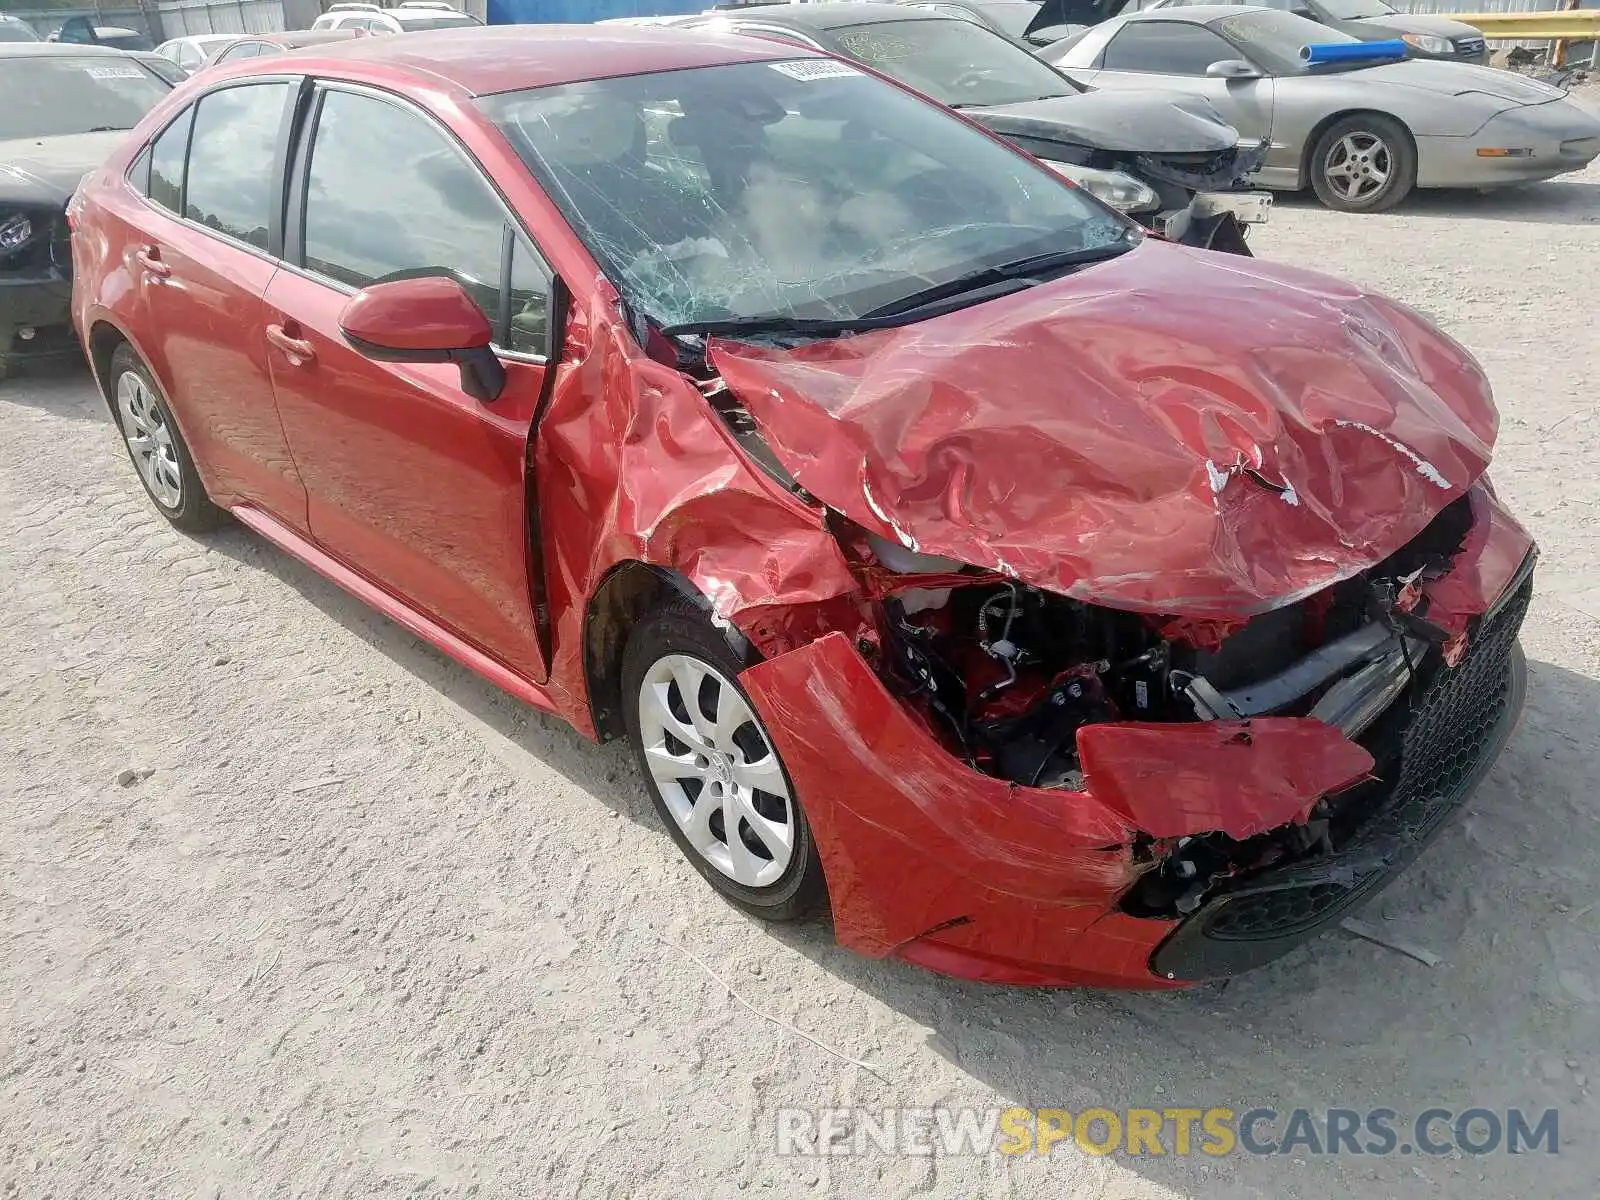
(35, 313)
(970, 875)
(1447, 739)
(1215, 220)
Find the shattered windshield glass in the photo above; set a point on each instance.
(802, 189)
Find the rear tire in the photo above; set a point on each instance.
(713, 772)
(156, 448)
(1364, 163)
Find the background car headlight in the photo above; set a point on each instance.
(1122, 192)
(1428, 43)
(14, 233)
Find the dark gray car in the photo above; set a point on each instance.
(1169, 161)
(63, 110)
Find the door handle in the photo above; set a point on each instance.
(298, 350)
(150, 259)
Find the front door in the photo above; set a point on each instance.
(409, 480)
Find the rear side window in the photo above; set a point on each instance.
(1167, 48)
(387, 194)
(243, 50)
(166, 163)
(231, 158)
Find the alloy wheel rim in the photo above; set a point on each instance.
(149, 439)
(716, 770)
(1357, 166)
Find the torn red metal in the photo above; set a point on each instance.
(1497, 546)
(1160, 434)
(1240, 778)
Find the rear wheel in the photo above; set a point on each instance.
(714, 773)
(1364, 163)
(157, 448)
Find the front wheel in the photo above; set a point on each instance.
(714, 773)
(1364, 164)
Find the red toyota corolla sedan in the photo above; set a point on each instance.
(1052, 603)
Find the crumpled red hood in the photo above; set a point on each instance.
(1171, 431)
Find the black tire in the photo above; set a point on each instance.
(1388, 147)
(677, 627)
(193, 511)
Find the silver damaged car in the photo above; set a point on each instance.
(1362, 132)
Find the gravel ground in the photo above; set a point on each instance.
(291, 906)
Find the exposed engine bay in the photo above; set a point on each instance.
(1006, 675)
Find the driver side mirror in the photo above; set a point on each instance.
(1232, 68)
(426, 320)
(1306, 13)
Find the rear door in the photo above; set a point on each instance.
(410, 480)
(203, 255)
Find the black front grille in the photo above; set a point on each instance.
(1470, 47)
(1455, 729)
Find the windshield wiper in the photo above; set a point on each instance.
(1024, 272)
(799, 326)
(109, 129)
(960, 292)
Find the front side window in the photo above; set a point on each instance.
(529, 316)
(48, 97)
(166, 163)
(231, 152)
(804, 188)
(956, 62)
(1166, 48)
(389, 196)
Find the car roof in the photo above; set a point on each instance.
(1196, 14)
(294, 39)
(57, 50)
(829, 15)
(484, 59)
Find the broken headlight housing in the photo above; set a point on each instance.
(15, 232)
(1122, 192)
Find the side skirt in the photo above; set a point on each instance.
(391, 606)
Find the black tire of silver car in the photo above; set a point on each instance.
(713, 772)
(155, 446)
(1363, 164)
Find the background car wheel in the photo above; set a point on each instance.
(714, 774)
(157, 448)
(1365, 163)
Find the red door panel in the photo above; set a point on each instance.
(204, 314)
(408, 479)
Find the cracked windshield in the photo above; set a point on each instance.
(791, 190)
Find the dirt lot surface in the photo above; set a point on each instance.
(291, 906)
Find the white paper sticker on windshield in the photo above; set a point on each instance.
(114, 72)
(807, 69)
